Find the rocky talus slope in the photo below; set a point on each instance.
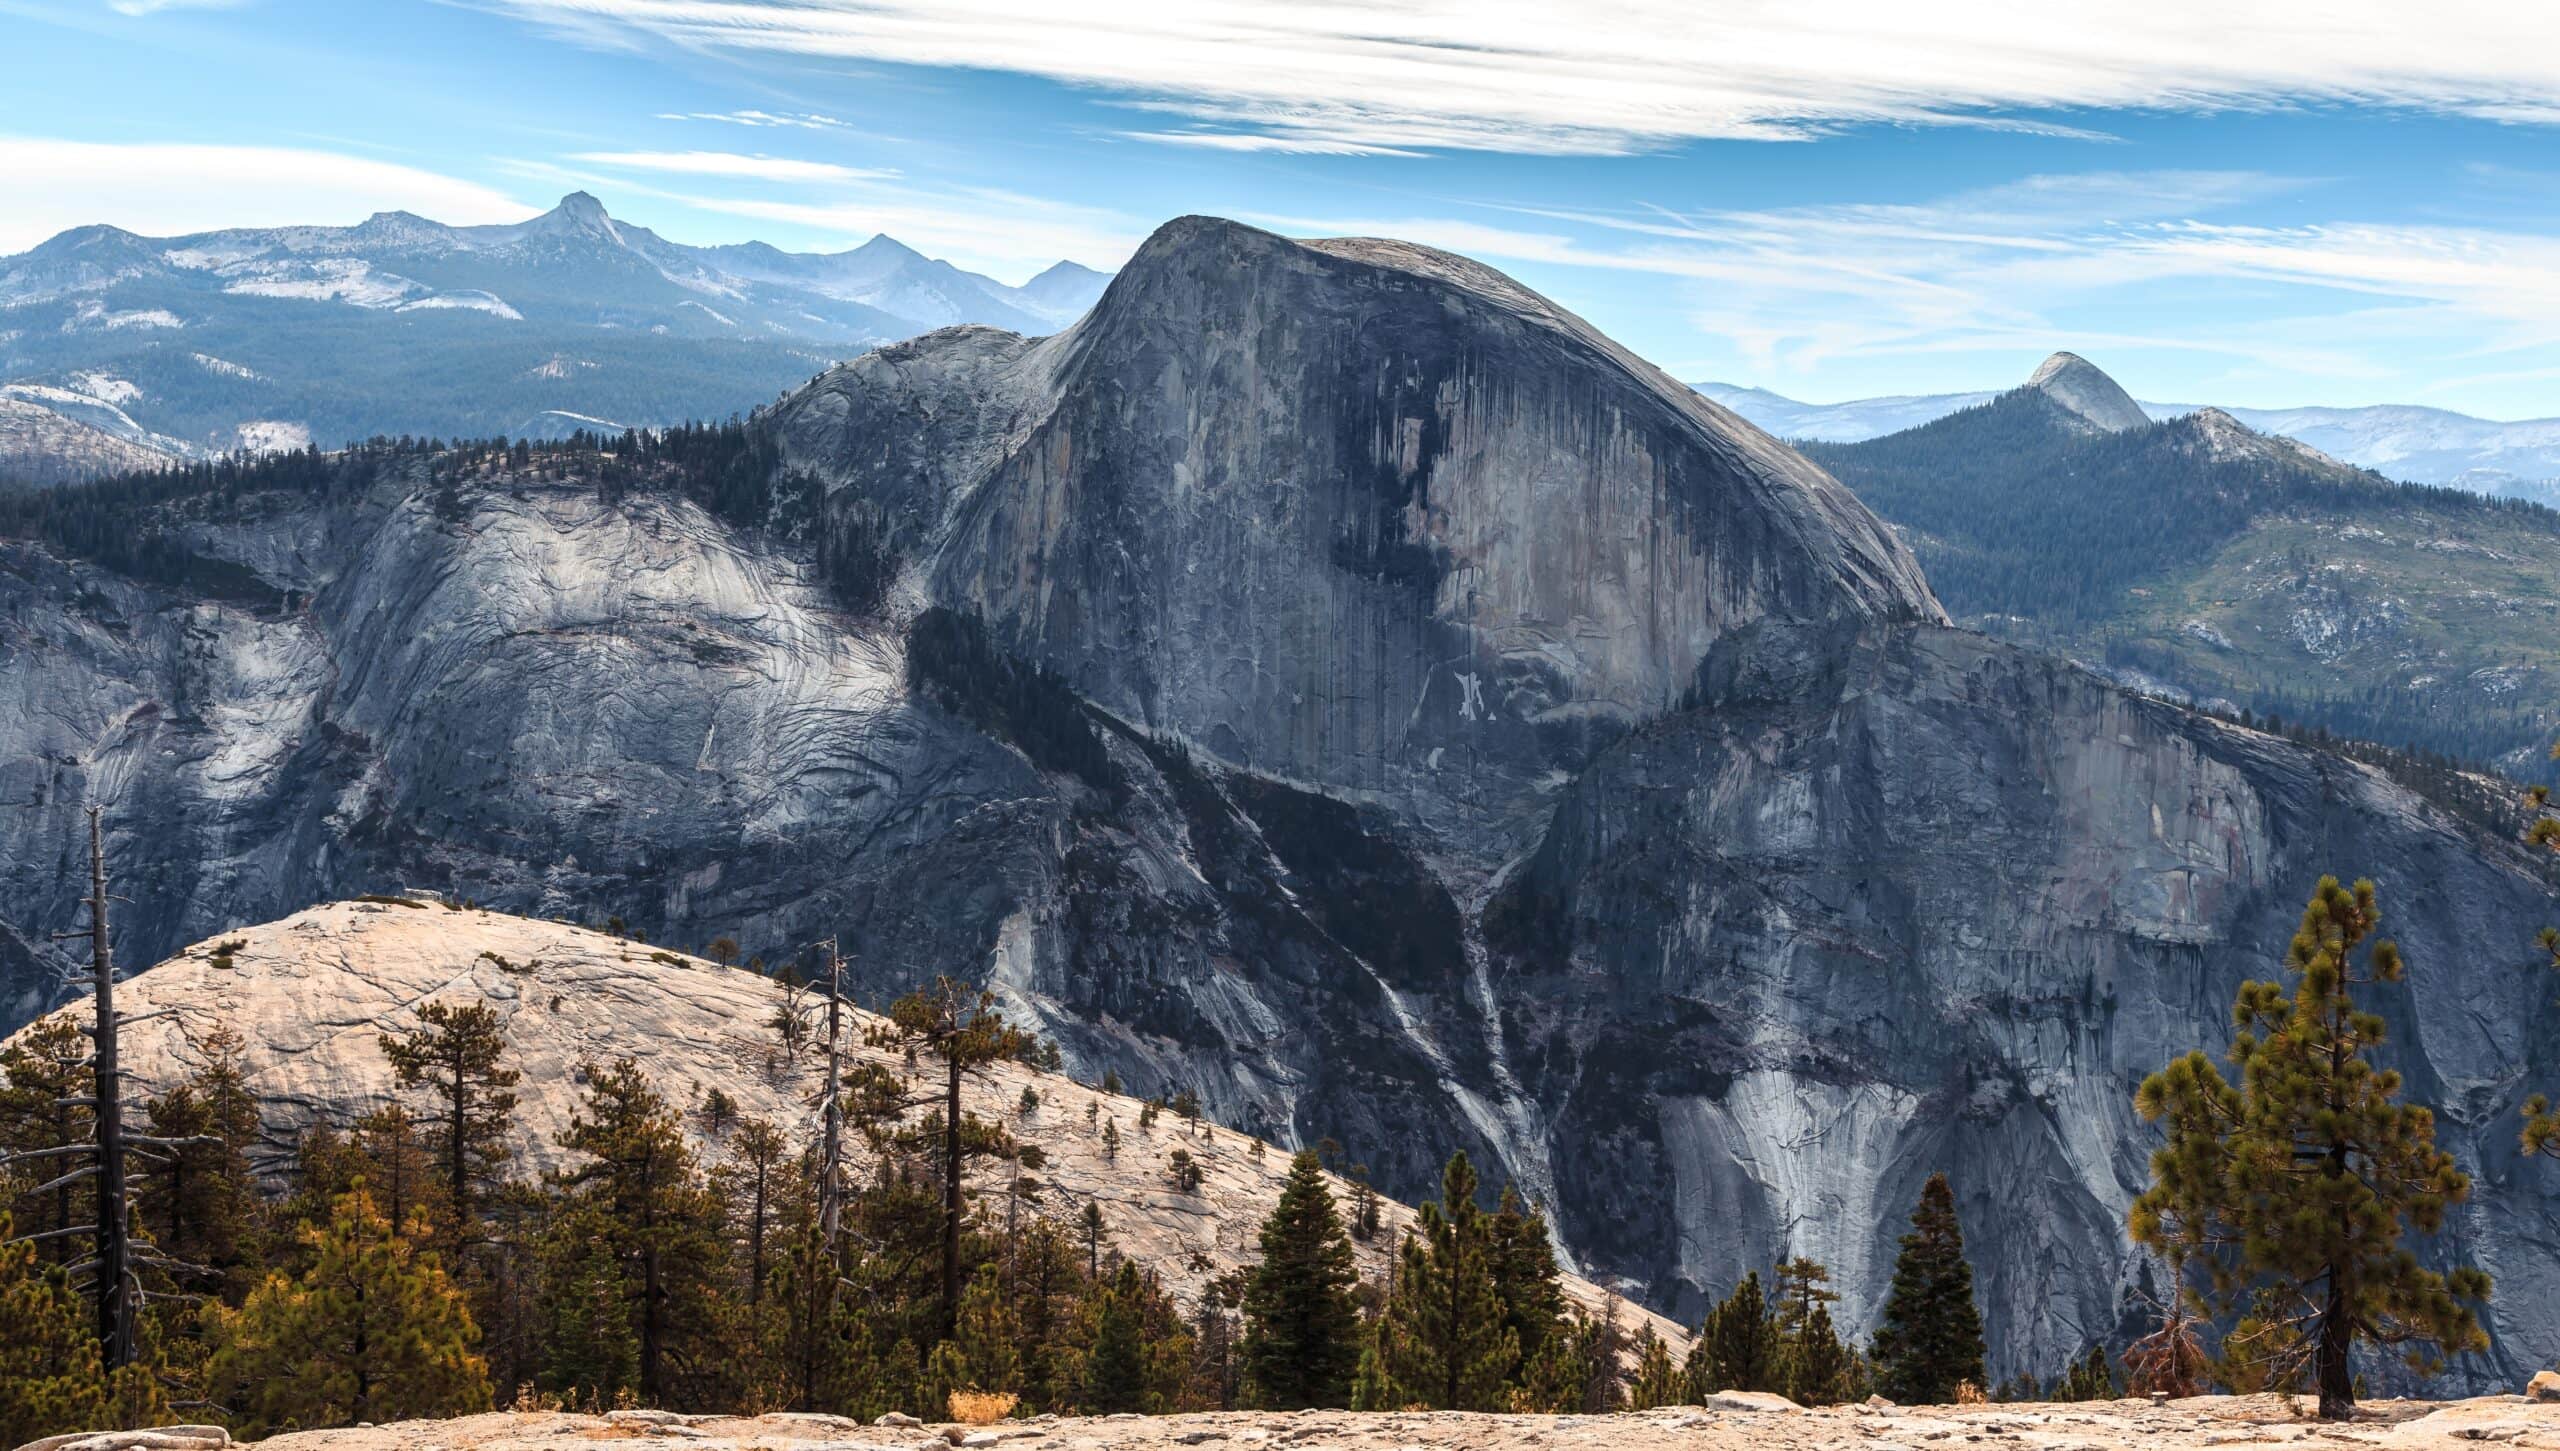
(314, 994)
(1332, 679)
(1727, 1423)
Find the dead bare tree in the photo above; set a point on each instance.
(112, 1274)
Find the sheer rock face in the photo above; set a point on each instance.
(2082, 387)
(1918, 901)
(1351, 512)
(1383, 584)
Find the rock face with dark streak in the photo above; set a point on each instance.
(1332, 679)
(1920, 901)
(1357, 513)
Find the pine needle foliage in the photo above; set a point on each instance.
(2292, 1190)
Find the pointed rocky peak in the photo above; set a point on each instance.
(2079, 386)
(1065, 274)
(884, 248)
(578, 214)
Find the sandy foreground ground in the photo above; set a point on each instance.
(2205, 1421)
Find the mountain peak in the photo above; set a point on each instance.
(579, 213)
(2081, 387)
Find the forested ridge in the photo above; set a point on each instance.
(2231, 567)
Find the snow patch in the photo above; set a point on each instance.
(715, 317)
(105, 387)
(226, 368)
(271, 435)
(467, 300)
(324, 279)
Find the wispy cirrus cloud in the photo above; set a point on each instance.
(1610, 76)
(791, 120)
(733, 164)
(2029, 265)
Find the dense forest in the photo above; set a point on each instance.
(2227, 566)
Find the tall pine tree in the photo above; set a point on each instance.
(1736, 1348)
(1443, 1341)
(1931, 1339)
(372, 1331)
(51, 1379)
(455, 1057)
(1301, 1337)
(2292, 1189)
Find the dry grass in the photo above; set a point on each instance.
(1969, 1394)
(981, 1408)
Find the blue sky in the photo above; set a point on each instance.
(2237, 202)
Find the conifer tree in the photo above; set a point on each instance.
(963, 1031)
(638, 1206)
(2292, 1189)
(1931, 1339)
(199, 1196)
(1115, 1378)
(44, 1076)
(1526, 1279)
(2090, 1378)
(1658, 1381)
(372, 1331)
(753, 1182)
(390, 1154)
(455, 1057)
(1301, 1346)
(51, 1379)
(1603, 1344)
(1736, 1348)
(1443, 1341)
(1815, 1367)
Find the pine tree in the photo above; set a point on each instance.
(200, 1197)
(373, 1331)
(390, 1155)
(1931, 1339)
(1602, 1348)
(1443, 1342)
(1115, 1377)
(51, 1379)
(1525, 1279)
(2292, 1188)
(640, 1205)
(2089, 1379)
(752, 1182)
(1737, 1347)
(1658, 1382)
(1815, 1367)
(44, 1077)
(1301, 1343)
(966, 1033)
(455, 1057)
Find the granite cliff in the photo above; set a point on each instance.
(1329, 678)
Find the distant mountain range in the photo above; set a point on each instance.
(2200, 556)
(2417, 445)
(279, 336)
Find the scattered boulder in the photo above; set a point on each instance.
(158, 1438)
(1750, 1401)
(2545, 1386)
